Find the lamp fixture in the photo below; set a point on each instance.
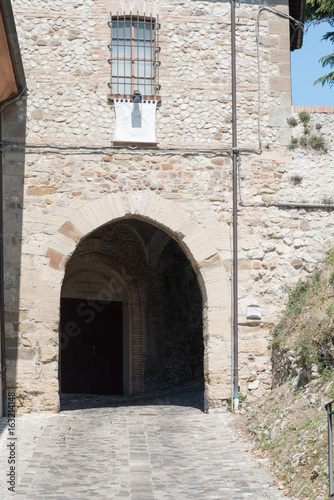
(136, 98)
(254, 312)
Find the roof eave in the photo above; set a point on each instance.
(297, 11)
(7, 15)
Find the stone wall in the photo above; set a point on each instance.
(65, 52)
(68, 180)
(287, 364)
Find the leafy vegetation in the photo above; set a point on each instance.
(314, 140)
(304, 117)
(290, 428)
(308, 322)
(317, 142)
(292, 122)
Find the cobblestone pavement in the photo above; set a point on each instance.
(162, 447)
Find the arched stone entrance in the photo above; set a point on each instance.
(196, 243)
(131, 313)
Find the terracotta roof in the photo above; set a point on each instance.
(12, 78)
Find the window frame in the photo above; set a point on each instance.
(136, 43)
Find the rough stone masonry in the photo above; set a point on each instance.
(68, 189)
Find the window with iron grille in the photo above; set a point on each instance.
(134, 58)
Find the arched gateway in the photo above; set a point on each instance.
(95, 278)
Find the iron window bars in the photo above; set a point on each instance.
(134, 58)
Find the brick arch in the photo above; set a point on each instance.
(198, 246)
(128, 276)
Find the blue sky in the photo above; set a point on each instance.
(305, 68)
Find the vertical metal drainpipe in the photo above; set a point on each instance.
(235, 210)
(328, 407)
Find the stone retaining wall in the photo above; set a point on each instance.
(287, 364)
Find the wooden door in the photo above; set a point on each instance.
(92, 347)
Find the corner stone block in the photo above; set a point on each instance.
(42, 386)
(217, 294)
(94, 212)
(56, 258)
(220, 316)
(137, 197)
(128, 204)
(277, 26)
(279, 83)
(219, 233)
(33, 338)
(256, 346)
(21, 371)
(152, 205)
(216, 275)
(199, 245)
(51, 276)
(50, 402)
(217, 390)
(49, 370)
(221, 313)
(116, 204)
(43, 314)
(173, 217)
(284, 41)
(278, 117)
(216, 286)
(284, 70)
(187, 228)
(42, 305)
(47, 354)
(217, 354)
(142, 202)
(63, 244)
(84, 225)
(70, 231)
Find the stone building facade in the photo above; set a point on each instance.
(118, 255)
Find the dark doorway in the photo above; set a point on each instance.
(91, 347)
(175, 348)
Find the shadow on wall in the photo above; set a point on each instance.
(174, 348)
(13, 131)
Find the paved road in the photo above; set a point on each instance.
(157, 448)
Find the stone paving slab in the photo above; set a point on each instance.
(156, 448)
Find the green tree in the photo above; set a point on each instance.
(323, 10)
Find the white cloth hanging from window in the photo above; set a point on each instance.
(135, 122)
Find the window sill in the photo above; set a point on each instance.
(128, 97)
(135, 144)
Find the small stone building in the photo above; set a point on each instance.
(118, 197)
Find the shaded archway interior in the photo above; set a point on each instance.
(130, 289)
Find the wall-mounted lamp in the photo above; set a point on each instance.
(136, 117)
(136, 98)
(253, 312)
